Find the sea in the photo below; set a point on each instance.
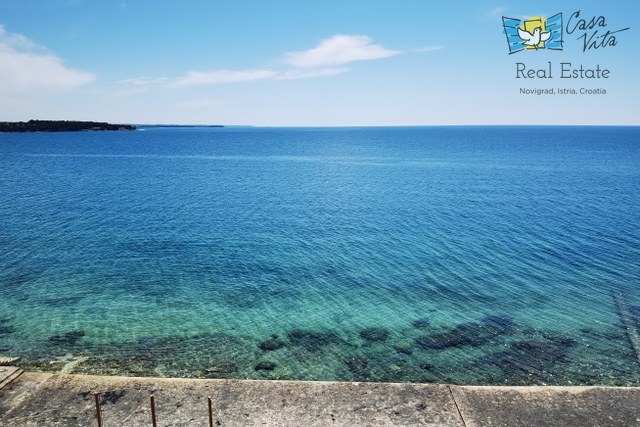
(443, 254)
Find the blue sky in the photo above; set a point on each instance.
(295, 63)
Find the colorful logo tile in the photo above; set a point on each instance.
(534, 33)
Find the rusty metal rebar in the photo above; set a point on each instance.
(96, 397)
(210, 411)
(153, 411)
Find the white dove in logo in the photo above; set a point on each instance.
(535, 38)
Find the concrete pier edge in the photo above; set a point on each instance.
(43, 399)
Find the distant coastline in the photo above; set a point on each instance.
(160, 125)
(60, 126)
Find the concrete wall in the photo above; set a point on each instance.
(36, 399)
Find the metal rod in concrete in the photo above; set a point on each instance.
(96, 396)
(153, 411)
(210, 411)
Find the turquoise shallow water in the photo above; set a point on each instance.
(475, 255)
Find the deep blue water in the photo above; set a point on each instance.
(179, 251)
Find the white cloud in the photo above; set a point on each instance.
(428, 48)
(317, 62)
(337, 50)
(16, 41)
(304, 74)
(141, 81)
(223, 76)
(23, 70)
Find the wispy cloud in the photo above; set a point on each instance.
(17, 42)
(338, 50)
(25, 66)
(143, 81)
(304, 74)
(223, 76)
(323, 60)
(428, 48)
